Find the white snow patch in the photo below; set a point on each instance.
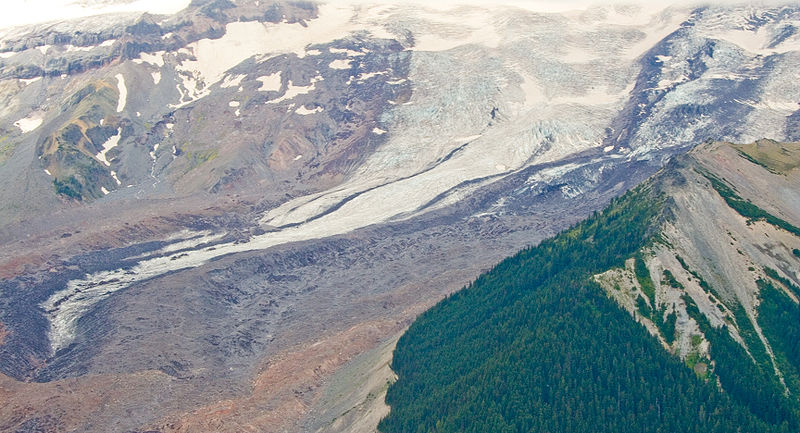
(595, 96)
(532, 91)
(27, 81)
(313, 52)
(156, 77)
(340, 64)
(108, 145)
(123, 93)
(270, 83)
(547, 175)
(232, 80)
(666, 83)
(7, 54)
(378, 131)
(753, 42)
(188, 89)
(785, 107)
(116, 179)
(349, 52)
(156, 59)
(71, 48)
(336, 20)
(608, 149)
(469, 26)
(108, 43)
(659, 27)
(303, 111)
(756, 42)
(297, 158)
(721, 75)
(624, 14)
(48, 172)
(104, 190)
(579, 54)
(368, 75)
(234, 104)
(28, 124)
(182, 240)
(292, 90)
(43, 48)
(467, 139)
(17, 13)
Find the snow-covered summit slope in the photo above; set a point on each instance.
(524, 87)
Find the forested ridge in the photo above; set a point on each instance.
(534, 345)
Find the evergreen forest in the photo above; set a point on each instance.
(535, 345)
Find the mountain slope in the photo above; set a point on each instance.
(536, 343)
(205, 216)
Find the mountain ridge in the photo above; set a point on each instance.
(725, 311)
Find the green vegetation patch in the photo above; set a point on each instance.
(643, 276)
(779, 318)
(772, 273)
(747, 209)
(199, 157)
(670, 280)
(778, 158)
(666, 324)
(71, 149)
(69, 187)
(643, 307)
(6, 148)
(699, 364)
